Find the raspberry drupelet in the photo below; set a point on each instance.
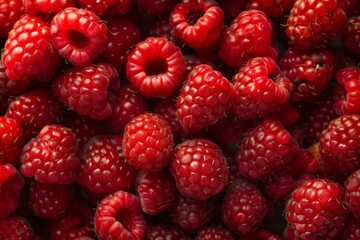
(11, 141)
(352, 193)
(10, 12)
(50, 7)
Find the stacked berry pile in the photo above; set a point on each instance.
(180, 119)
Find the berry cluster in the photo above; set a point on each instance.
(180, 119)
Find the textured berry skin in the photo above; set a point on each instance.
(148, 142)
(119, 216)
(214, 232)
(11, 183)
(232, 8)
(103, 166)
(35, 109)
(315, 210)
(198, 23)
(261, 234)
(157, 191)
(351, 36)
(156, 67)
(352, 192)
(98, 7)
(205, 97)
(272, 8)
(250, 35)
(28, 50)
(79, 35)
(50, 157)
(313, 23)
(120, 7)
(258, 93)
(11, 141)
(338, 144)
(309, 71)
(347, 91)
(243, 207)
(265, 149)
(86, 89)
(16, 227)
(48, 201)
(199, 168)
(161, 28)
(161, 231)
(156, 7)
(48, 6)
(10, 12)
(351, 230)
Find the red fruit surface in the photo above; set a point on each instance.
(10, 12)
(351, 230)
(156, 7)
(48, 6)
(11, 141)
(161, 231)
(97, 6)
(214, 232)
(351, 35)
(352, 193)
(272, 8)
(16, 227)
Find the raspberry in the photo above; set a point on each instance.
(148, 142)
(51, 157)
(346, 91)
(161, 28)
(119, 216)
(351, 7)
(250, 35)
(260, 89)
(232, 8)
(315, 210)
(272, 8)
(120, 7)
(86, 89)
(163, 232)
(313, 23)
(10, 12)
(98, 7)
(243, 207)
(205, 97)
(16, 227)
(103, 166)
(197, 23)
(215, 233)
(156, 67)
(199, 168)
(266, 148)
(35, 109)
(351, 230)
(28, 50)
(48, 6)
(352, 190)
(11, 141)
(157, 7)
(262, 234)
(79, 35)
(351, 36)
(11, 183)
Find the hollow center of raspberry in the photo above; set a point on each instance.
(194, 16)
(124, 217)
(77, 39)
(156, 67)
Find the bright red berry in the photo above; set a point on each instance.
(161, 28)
(214, 232)
(351, 36)
(352, 193)
(159, 231)
(16, 227)
(97, 6)
(10, 12)
(261, 234)
(272, 8)
(48, 6)
(11, 141)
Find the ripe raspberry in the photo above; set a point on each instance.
(28, 50)
(272, 8)
(148, 142)
(205, 97)
(309, 71)
(260, 89)
(120, 7)
(16, 227)
(266, 148)
(10, 12)
(214, 232)
(86, 89)
(351, 36)
(156, 7)
(79, 35)
(351, 230)
(96, 6)
(243, 207)
(346, 91)
(261, 234)
(35, 109)
(161, 28)
(48, 201)
(103, 166)
(119, 216)
(161, 231)
(157, 191)
(313, 23)
(197, 23)
(352, 193)
(315, 210)
(351, 7)
(48, 6)
(199, 168)
(11, 183)
(51, 157)
(11, 141)
(156, 67)
(250, 35)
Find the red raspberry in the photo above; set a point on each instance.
(10, 12)
(261, 234)
(309, 71)
(272, 8)
(119, 216)
(199, 168)
(214, 232)
(148, 142)
(11, 141)
(97, 6)
(35, 109)
(260, 89)
(313, 23)
(191, 61)
(86, 89)
(48, 201)
(243, 207)
(156, 7)
(48, 6)
(265, 149)
(28, 50)
(351, 35)
(250, 35)
(352, 193)
(79, 35)
(16, 227)
(11, 183)
(315, 210)
(198, 23)
(103, 166)
(51, 157)
(120, 7)
(161, 231)
(346, 91)
(191, 214)
(205, 97)
(157, 191)
(351, 230)
(156, 67)
(161, 28)
(351, 7)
